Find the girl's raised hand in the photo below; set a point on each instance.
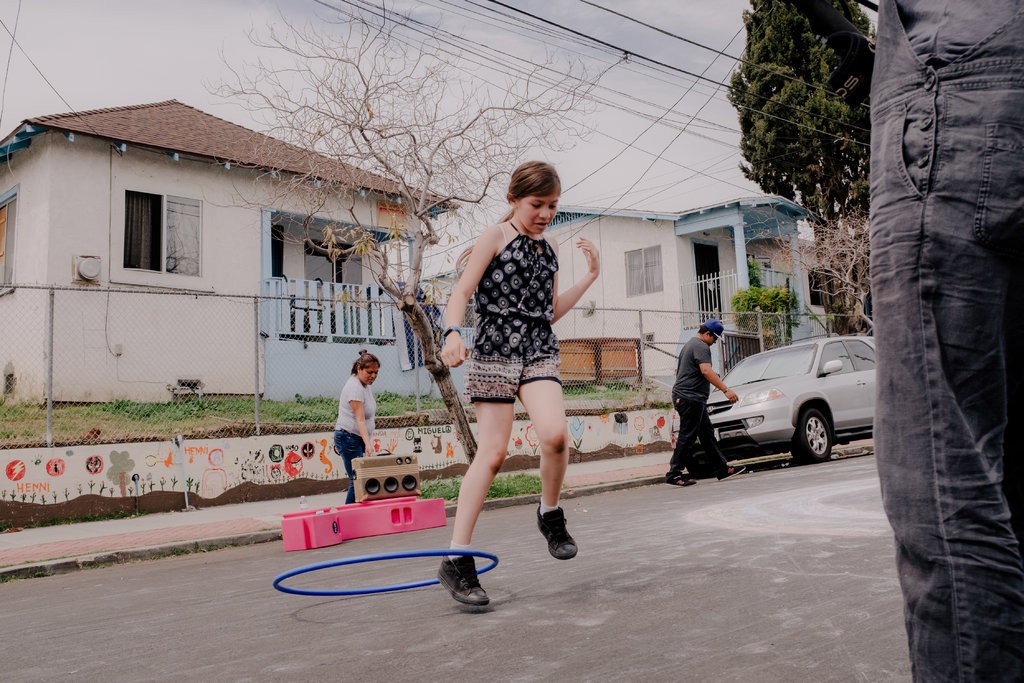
(590, 253)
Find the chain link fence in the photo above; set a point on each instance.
(105, 365)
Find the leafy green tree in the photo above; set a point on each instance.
(798, 140)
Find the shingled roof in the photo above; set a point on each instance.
(175, 127)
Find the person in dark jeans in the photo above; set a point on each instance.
(356, 410)
(694, 377)
(947, 280)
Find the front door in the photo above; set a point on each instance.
(709, 285)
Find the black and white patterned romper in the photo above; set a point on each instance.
(514, 304)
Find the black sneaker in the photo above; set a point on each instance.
(731, 472)
(679, 479)
(459, 577)
(552, 524)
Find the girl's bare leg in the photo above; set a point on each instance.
(495, 428)
(543, 401)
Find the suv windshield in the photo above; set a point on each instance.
(795, 360)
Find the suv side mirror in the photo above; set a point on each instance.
(832, 366)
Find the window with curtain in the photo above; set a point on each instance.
(643, 271)
(161, 233)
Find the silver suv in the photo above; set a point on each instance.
(802, 398)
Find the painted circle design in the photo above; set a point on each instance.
(216, 457)
(55, 467)
(94, 464)
(378, 558)
(15, 470)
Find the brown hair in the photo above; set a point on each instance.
(531, 178)
(365, 358)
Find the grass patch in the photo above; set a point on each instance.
(124, 420)
(130, 420)
(36, 574)
(504, 486)
(613, 391)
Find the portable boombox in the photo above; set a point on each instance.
(386, 476)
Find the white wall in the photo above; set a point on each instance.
(614, 236)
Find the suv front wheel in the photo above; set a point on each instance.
(812, 441)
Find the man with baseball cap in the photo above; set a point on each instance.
(694, 377)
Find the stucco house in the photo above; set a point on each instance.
(179, 218)
(688, 262)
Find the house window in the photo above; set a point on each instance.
(816, 283)
(643, 271)
(161, 233)
(7, 211)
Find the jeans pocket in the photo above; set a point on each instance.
(999, 212)
(897, 145)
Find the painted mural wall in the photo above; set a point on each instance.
(212, 469)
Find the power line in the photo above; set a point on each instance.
(688, 73)
(385, 15)
(436, 34)
(7, 70)
(392, 16)
(36, 67)
(459, 42)
(503, 65)
(657, 158)
(721, 53)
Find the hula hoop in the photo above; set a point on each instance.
(378, 558)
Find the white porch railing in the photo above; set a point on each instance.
(325, 311)
(709, 294)
(712, 294)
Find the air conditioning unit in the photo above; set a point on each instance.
(86, 268)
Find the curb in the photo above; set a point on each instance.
(66, 565)
(69, 564)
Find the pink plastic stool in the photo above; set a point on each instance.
(308, 529)
(390, 516)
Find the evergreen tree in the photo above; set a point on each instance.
(798, 140)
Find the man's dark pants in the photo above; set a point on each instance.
(694, 424)
(947, 278)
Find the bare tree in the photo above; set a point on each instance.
(364, 109)
(838, 259)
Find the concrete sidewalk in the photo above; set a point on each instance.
(55, 549)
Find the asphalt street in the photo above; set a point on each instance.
(782, 575)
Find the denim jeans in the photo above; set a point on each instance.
(349, 446)
(947, 278)
(694, 424)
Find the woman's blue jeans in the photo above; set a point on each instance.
(349, 446)
(947, 278)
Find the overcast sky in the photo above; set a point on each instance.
(77, 55)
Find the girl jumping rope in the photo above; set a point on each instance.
(513, 271)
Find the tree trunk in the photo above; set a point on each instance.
(421, 327)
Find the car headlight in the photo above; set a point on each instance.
(762, 396)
